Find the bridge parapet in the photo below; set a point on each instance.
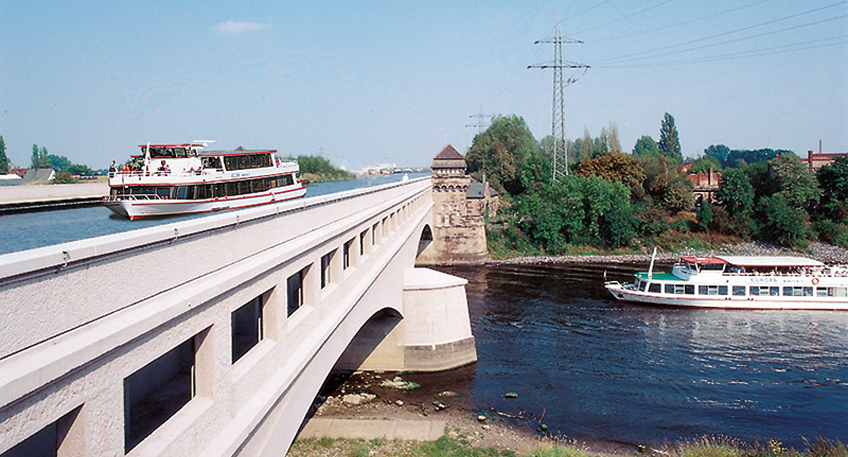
(231, 321)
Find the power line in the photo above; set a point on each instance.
(761, 24)
(625, 17)
(793, 47)
(558, 110)
(481, 121)
(679, 24)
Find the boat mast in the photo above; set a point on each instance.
(651, 268)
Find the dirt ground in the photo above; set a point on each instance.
(424, 396)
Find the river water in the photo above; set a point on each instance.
(22, 231)
(601, 369)
(591, 367)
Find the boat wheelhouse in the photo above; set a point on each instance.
(740, 282)
(171, 179)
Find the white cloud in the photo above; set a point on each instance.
(239, 27)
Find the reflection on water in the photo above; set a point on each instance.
(600, 368)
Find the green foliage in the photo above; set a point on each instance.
(678, 196)
(669, 144)
(704, 163)
(705, 216)
(832, 232)
(645, 145)
(58, 163)
(659, 173)
(740, 158)
(81, 170)
(783, 223)
(39, 157)
(4, 160)
(63, 177)
(514, 161)
(735, 192)
(317, 169)
(833, 179)
(579, 210)
(789, 177)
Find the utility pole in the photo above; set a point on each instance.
(481, 122)
(559, 167)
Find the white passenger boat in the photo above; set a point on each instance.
(170, 179)
(740, 282)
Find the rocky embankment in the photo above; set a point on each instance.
(822, 252)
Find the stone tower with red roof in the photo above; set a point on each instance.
(458, 228)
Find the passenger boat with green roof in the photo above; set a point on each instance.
(172, 179)
(742, 282)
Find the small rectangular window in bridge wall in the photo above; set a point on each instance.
(246, 323)
(294, 291)
(156, 392)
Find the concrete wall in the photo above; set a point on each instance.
(77, 319)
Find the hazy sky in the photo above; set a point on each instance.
(374, 82)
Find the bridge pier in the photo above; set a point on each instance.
(434, 334)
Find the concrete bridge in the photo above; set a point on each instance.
(212, 336)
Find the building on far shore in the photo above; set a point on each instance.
(816, 160)
(704, 186)
(459, 208)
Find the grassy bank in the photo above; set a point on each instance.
(453, 445)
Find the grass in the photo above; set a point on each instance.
(458, 446)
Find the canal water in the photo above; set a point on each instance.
(22, 231)
(590, 367)
(593, 368)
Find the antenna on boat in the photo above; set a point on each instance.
(651, 268)
(147, 153)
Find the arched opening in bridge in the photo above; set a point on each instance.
(361, 350)
(425, 240)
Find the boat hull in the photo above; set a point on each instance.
(623, 292)
(146, 208)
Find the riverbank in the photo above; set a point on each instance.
(822, 252)
(386, 402)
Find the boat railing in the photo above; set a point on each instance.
(118, 198)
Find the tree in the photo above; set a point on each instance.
(587, 149)
(793, 180)
(704, 163)
(645, 145)
(58, 163)
(609, 137)
(833, 179)
(613, 166)
(735, 193)
(513, 158)
(669, 144)
(783, 223)
(4, 161)
(39, 157)
(678, 196)
(719, 152)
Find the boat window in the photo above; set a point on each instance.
(288, 180)
(669, 288)
(164, 192)
(840, 292)
(798, 291)
(739, 290)
(774, 291)
(722, 290)
(654, 287)
(641, 285)
(712, 267)
(690, 289)
(824, 291)
(710, 290)
(182, 192)
(755, 290)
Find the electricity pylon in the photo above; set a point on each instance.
(559, 167)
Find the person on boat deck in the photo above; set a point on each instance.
(162, 167)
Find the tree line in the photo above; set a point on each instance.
(615, 200)
(41, 158)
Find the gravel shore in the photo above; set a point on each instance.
(822, 252)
